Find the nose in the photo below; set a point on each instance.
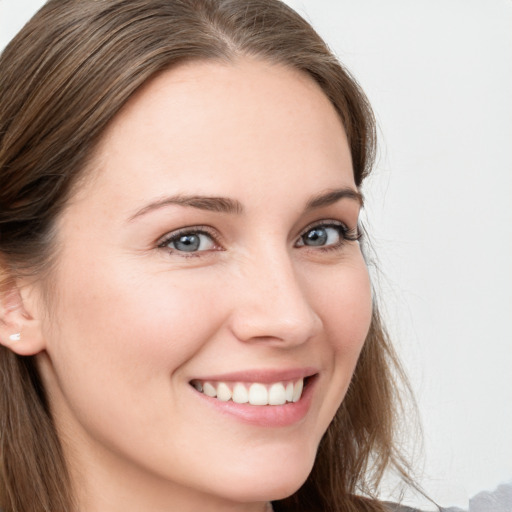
(272, 304)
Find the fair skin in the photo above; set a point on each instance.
(263, 287)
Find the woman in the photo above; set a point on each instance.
(186, 316)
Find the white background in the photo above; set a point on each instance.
(439, 76)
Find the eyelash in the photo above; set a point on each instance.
(345, 235)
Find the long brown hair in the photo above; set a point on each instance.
(62, 80)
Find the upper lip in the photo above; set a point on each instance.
(265, 376)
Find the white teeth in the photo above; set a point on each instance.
(297, 390)
(209, 390)
(278, 393)
(289, 392)
(240, 394)
(258, 394)
(223, 392)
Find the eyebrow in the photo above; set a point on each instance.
(227, 205)
(211, 204)
(333, 196)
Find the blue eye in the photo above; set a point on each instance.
(320, 236)
(326, 235)
(189, 241)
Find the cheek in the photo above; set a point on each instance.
(116, 349)
(116, 311)
(346, 309)
(120, 335)
(343, 300)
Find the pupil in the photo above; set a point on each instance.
(187, 243)
(316, 237)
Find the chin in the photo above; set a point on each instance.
(276, 479)
(265, 490)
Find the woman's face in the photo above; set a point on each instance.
(211, 250)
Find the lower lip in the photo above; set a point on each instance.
(269, 416)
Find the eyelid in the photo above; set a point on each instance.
(327, 223)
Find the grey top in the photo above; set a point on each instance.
(499, 500)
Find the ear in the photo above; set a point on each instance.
(20, 327)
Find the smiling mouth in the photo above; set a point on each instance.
(253, 393)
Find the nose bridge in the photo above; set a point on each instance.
(273, 304)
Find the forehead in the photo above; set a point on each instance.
(211, 125)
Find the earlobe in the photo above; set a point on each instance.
(20, 329)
